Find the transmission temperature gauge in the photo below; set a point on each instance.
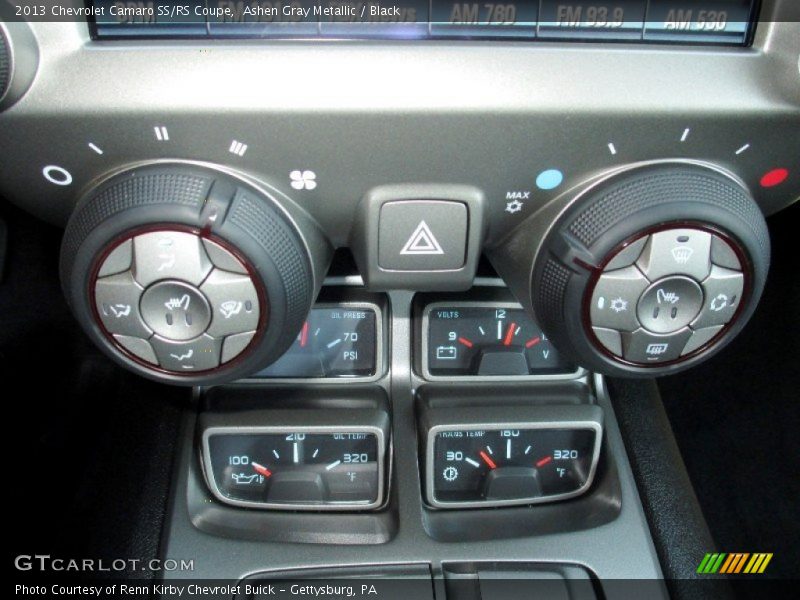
(535, 455)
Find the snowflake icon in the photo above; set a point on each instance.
(513, 207)
(619, 305)
(303, 180)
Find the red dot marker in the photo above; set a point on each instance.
(774, 177)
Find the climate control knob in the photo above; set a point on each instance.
(650, 270)
(190, 275)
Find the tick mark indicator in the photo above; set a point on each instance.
(612, 148)
(237, 148)
(685, 135)
(95, 148)
(742, 149)
(544, 461)
(162, 135)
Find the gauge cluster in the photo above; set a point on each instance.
(337, 341)
(493, 340)
(295, 446)
(297, 468)
(323, 459)
(501, 456)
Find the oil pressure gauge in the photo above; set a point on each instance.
(526, 455)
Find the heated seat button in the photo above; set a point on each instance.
(175, 310)
(670, 304)
(422, 235)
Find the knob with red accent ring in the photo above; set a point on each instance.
(189, 275)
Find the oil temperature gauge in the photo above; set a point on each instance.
(524, 460)
(296, 468)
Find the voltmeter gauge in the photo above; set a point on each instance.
(296, 468)
(486, 340)
(481, 464)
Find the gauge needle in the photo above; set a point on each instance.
(487, 460)
(304, 335)
(466, 342)
(544, 461)
(532, 342)
(510, 334)
(261, 469)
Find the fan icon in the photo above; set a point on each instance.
(303, 180)
(619, 305)
(513, 207)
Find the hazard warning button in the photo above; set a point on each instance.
(422, 235)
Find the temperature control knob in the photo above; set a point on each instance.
(652, 270)
(189, 275)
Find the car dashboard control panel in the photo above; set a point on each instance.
(624, 212)
(727, 22)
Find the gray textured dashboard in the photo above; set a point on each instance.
(323, 123)
(361, 114)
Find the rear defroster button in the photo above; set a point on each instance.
(644, 347)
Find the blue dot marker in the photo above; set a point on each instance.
(549, 179)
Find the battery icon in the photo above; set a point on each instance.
(446, 352)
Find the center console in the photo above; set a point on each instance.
(462, 479)
(397, 258)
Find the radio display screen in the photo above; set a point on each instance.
(673, 21)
